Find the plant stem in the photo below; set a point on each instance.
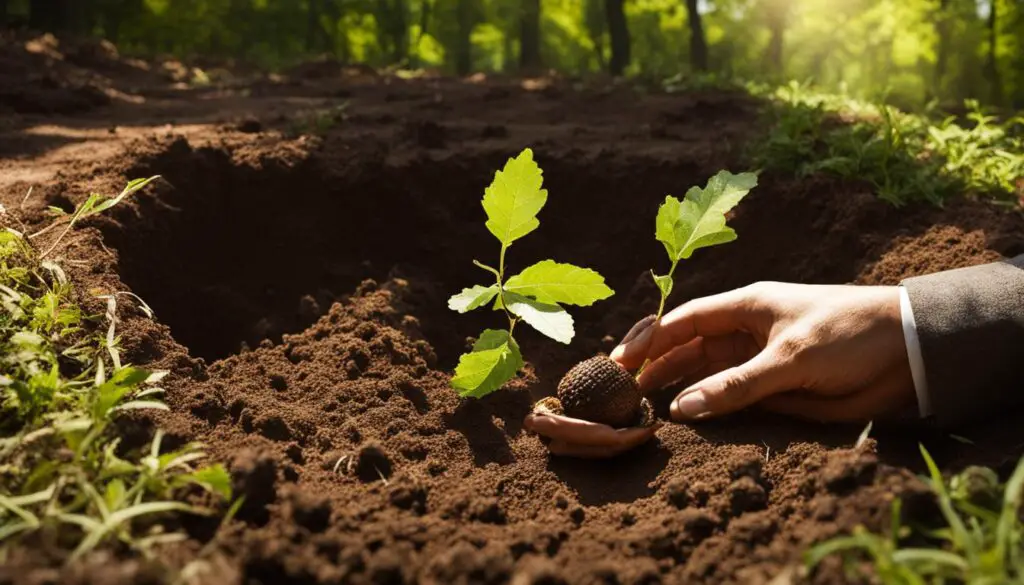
(664, 296)
(512, 319)
(661, 312)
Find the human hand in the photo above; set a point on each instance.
(828, 353)
(581, 438)
(589, 440)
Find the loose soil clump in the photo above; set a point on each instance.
(299, 286)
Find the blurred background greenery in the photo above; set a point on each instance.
(906, 52)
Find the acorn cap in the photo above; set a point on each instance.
(601, 391)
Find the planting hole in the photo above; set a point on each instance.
(230, 254)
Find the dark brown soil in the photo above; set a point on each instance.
(300, 285)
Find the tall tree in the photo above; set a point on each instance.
(463, 43)
(618, 30)
(3, 12)
(776, 15)
(48, 15)
(393, 18)
(991, 62)
(529, 35)
(698, 42)
(943, 19)
(595, 20)
(313, 28)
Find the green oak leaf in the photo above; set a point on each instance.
(473, 297)
(495, 359)
(698, 220)
(554, 282)
(551, 320)
(664, 283)
(514, 198)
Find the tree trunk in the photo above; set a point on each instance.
(464, 45)
(942, 22)
(3, 12)
(425, 9)
(399, 24)
(529, 36)
(776, 15)
(698, 43)
(775, 45)
(991, 64)
(40, 14)
(618, 30)
(313, 26)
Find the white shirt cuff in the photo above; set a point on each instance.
(914, 354)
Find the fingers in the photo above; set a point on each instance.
(632, 350)
(736, 387)
(630, 439)
(705, 317)
(700, 357)
(641, 326)
(582, 438)
(675, 365)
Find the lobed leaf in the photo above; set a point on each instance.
(495, 359)
(554, 282)
(698, 221)
(551, 320)
(514, 198)
(472, 298)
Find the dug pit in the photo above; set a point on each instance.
(230, 252)
(359, 464)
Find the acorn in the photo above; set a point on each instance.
(600, 390)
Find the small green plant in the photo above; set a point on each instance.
(318, 122)
(698, 221)
(906, 157)
(93, 205)
(982, 542)
(535, 295)
(63, 470)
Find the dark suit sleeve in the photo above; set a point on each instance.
(970, 324)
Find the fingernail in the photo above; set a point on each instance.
(640, 326)
(637, 338)
(691, 406)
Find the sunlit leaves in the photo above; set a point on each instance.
(62, 388)
(534, 296)
(664, 282)
(472, 298)
(495, 359)
(554, 282)
(514, 198)
(699, 219)
(551, 320)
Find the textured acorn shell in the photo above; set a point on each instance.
(601, 391)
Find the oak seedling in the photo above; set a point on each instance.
(534, 296)
(599, 389)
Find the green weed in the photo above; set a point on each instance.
(982, 541)
(905, 157)
(63, 469)
(318, 122)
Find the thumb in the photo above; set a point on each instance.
(735, 388)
